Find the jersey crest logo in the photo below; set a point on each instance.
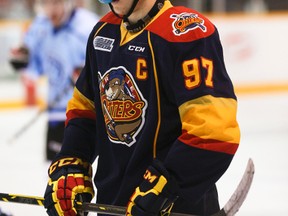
(185, 22)
(123, 106)
(103, 43)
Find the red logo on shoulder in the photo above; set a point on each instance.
(185, 22)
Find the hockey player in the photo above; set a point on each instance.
(155, 104)
(56, 42)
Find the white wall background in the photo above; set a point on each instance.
(255, 47)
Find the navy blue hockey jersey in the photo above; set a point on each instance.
(160, 93)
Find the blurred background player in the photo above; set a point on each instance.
(16, 9)
(55, 46)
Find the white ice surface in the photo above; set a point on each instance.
(264, 124)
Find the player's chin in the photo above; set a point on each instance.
(115, 1)
(120, 7)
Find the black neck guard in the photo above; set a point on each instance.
(140, 24)
(135, 2)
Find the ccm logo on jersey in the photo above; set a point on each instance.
(103, 43)
(136, 48)
(185, 22)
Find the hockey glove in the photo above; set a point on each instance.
(70, 181)
(155, 194)
(19, 58)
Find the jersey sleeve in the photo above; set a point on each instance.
(196, 80)
(80, 126)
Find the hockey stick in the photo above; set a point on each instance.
(42, 110)
(26, 126)
(229, 209)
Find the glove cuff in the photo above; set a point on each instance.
(70, 163)
(171, 187)
(155, 194)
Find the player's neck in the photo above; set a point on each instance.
(142, 9)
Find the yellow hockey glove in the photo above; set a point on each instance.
(70, 178)
(155, 194)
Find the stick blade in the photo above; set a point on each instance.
(235, 202)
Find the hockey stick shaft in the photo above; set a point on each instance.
(26, 126)
(230, 208)
(31, 200)
(86, 207)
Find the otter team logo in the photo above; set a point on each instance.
(185, 22)
(123, 105)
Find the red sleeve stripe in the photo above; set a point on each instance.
(211, 118)
(72, 114)
(80, 107)
(208, 144)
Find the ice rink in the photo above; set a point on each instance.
(258, 67)
(263, 119)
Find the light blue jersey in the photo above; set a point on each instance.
(56, 53)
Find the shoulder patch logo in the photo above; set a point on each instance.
(185, 22)
(123, 105)
(103, 43)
